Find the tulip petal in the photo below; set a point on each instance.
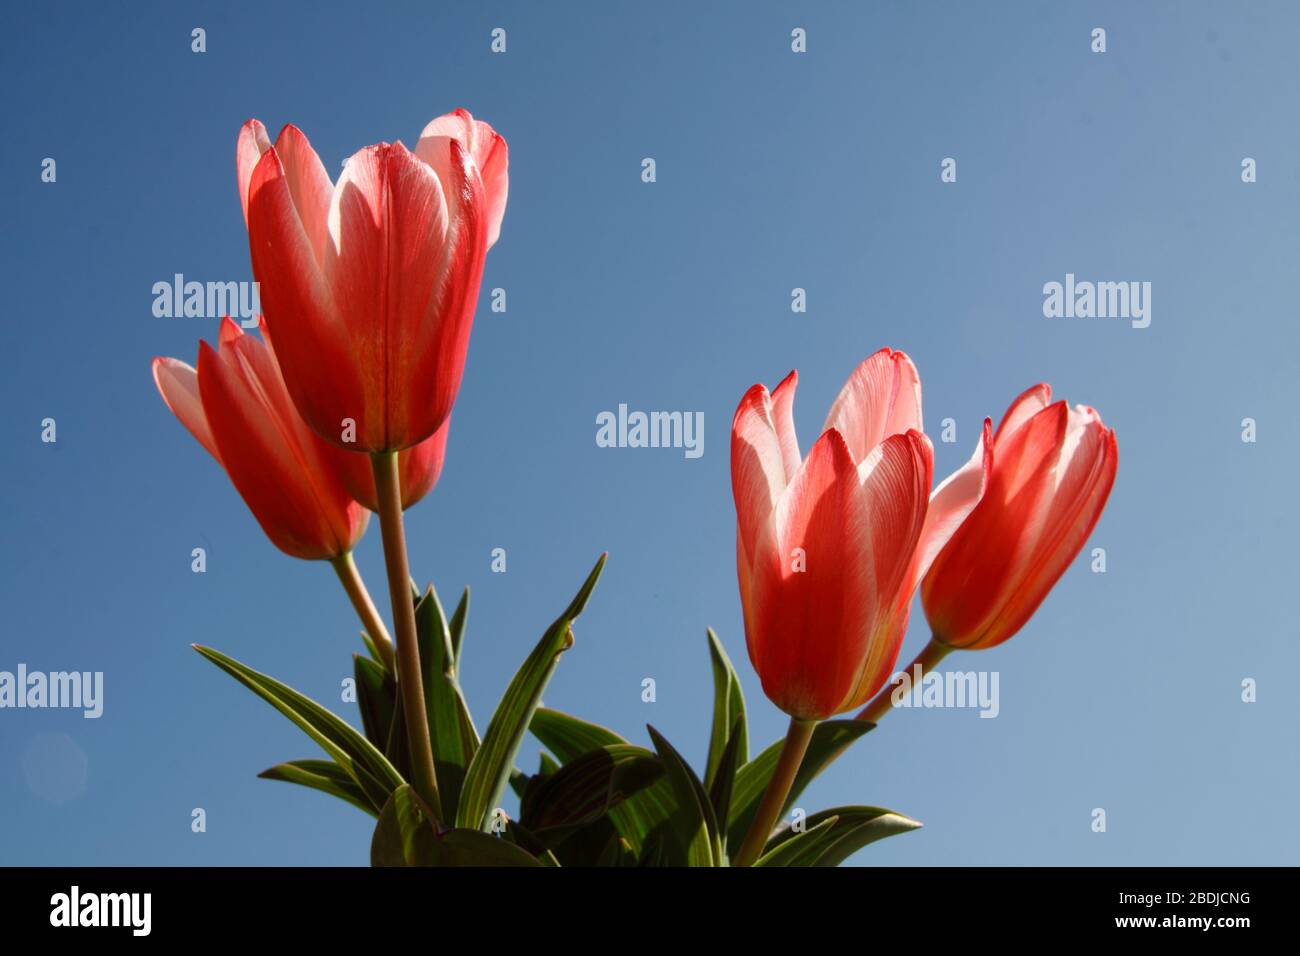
(809, 590)
(955, 498)
(1026, 405)
(229, 331)
(831, 582)
(421, 280)
(882, 397)
(488, 150)
(408, 252)
(758, 476)
(783, 420)
(309, 184)
(252, 143)
(1082, 479)
(274, 462)
(418, 466)
(178, 384)
(312, 342)
(449, 316)
(996, 542)
(895, 482)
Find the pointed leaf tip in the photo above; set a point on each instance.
(579, 602)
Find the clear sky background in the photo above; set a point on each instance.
(775, 171)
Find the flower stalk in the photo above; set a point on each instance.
(927, 660)
(778, 790)
(409, 675)
(346, 569)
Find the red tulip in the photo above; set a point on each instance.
(237, 406)
(1053, 468)
(369, 284)
(829, 548)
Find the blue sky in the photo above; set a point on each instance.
(775, 170)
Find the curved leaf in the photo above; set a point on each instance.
(451, 729)
(569, 737)
(490, 769)
(336, 737)
(802, 849)
(325, 776)
(728, 712)
(725, 777)
(692, 823)
(585, 789)
(851, 828)
(456, 627)
(462, 847)
(405, 836)
(376, 695)
(636, 818)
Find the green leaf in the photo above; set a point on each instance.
(585, 789)
(529, 843)
(617, 852)
(829, 739)
(457, 628)
(358, 756)
(405, 836)
(693, 823)
(462, 847)
(546, 764)
(371, 647)
(396, 750)
(489, 770)
(569, 737)
(636, 818)
(725, 777)
(451, 729)
(803, 849)
(376, 691)
(325, 776)
(844, 831)
(728, 710)
(519, 782)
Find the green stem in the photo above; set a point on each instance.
(350, 578)
(409, 676)
(778, 789)
(927, 660)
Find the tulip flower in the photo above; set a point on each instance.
(369, 284)
(829, 548)
(1051, 472)
(237, 407)
(1053, 468)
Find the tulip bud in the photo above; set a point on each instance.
(237, 406)
(828, 547)
(1052, 469)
